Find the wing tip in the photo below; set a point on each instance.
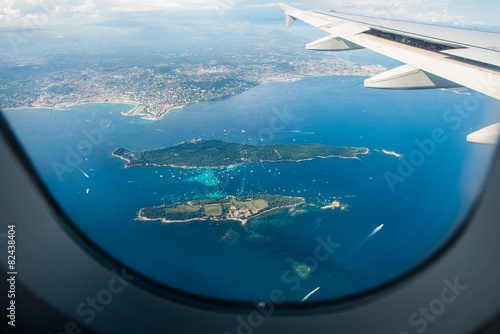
(487, 136)
(287, 9)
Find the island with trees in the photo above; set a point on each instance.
(242, 209)
(220, 154)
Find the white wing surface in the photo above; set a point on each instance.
(435, 56)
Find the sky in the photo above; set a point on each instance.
(52, 12)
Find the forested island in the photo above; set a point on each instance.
(240, 209)
(218, 154)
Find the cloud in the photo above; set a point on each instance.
(266, 5)
(435, 11)
(12, 11)
(162, 5)
(438, 18)
(15, 11)
(7, 12)
(88, 8)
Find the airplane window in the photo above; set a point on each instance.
(226, 161)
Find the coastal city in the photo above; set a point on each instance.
(157, 83)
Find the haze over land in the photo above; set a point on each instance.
(158, 67)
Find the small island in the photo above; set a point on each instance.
(335, 205)
(220, 154)
(240, 209)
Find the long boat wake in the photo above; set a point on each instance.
(309, 295)
(375, 231)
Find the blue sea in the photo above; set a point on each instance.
(419, 211)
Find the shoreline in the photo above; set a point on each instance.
(243, 222)
(394, 154)
(242, 164)
(21, 108)
(136, 111)
(66, 105)
(160, 116)
(120, 157)
(283, 80)
(280, 208)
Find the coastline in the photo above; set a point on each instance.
(120, 157)
(397, 155)
(138, 105)
(242, 164)
(67, 105)
(20, 108)
(282, 80)
(137, 109)
(243, 222)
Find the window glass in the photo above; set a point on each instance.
(225, 160)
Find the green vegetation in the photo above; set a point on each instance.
(216, 153)
(235, 208)
(124, 154)
(213, 210)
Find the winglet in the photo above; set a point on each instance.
(289, 10)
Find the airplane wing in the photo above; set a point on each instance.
(435, 56)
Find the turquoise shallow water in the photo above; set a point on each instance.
(72, 151)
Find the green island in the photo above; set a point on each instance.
(219, 154)
(241, 209)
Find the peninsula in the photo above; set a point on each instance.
(219, 154)
(240, 209)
